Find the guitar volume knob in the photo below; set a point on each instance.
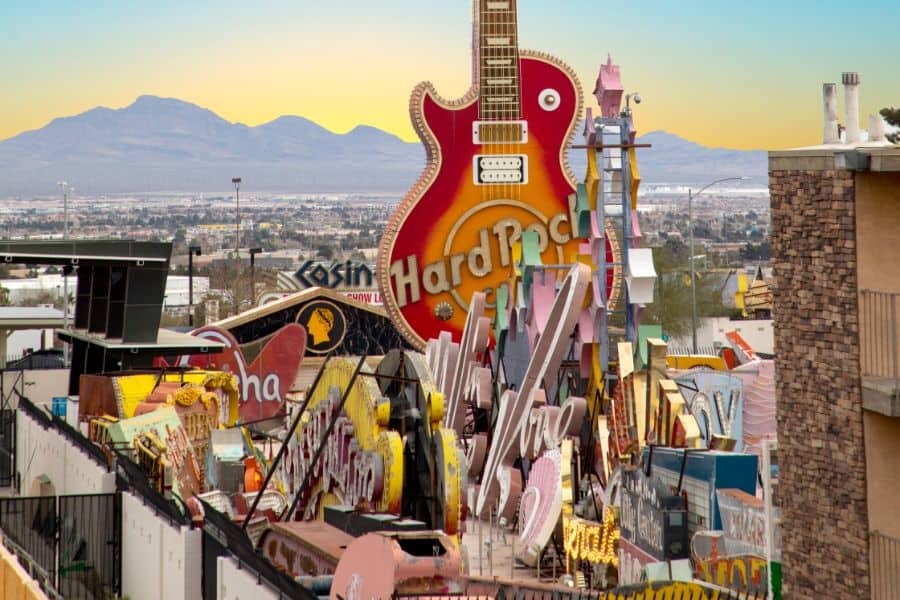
(549, 99)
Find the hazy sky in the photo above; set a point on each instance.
(741, 74)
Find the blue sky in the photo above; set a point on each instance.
(744, 75)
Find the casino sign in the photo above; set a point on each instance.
(347, 274)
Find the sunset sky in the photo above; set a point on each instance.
(733, 74)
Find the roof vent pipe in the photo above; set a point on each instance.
(829, 102)
(876, 128)
(851, 106)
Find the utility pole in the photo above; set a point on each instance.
(66, 188)
(192, 251)
(253, 253)
(237, 226)
(693, 281)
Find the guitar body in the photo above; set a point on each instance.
(445, 215)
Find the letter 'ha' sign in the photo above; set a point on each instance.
(263, 383)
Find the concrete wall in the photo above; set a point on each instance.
(159, 562)
(878, 230)
(42, 451)
(883, 462)
(822, 482)
(22, 339)
(239, 584)
(40, 386)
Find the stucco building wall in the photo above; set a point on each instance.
(883, 462)
(878, 250)
(878, 230)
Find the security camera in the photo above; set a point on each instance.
(637, 98)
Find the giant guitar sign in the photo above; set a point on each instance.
(496, 167)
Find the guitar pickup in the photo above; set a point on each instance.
(491, 169)
(499, 132)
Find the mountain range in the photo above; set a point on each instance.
(164, 144)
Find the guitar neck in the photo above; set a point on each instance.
(498, 56)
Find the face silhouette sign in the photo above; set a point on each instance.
(325, 326)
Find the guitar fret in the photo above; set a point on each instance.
(498, 42)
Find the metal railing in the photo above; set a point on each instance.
(884, 560)
(130, 477)
(12, 386)
(223, 537)
(878, 333)
(73, 543)
(71, 434)
(34, 570)
(8, 448)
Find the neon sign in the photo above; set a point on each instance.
(362, 463)
(337, 275)
(263, 383)
(497, 168)
(525, 425)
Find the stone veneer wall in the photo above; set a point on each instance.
(822, 487)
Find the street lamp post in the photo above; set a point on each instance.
(237, 226)
(691, 196)
(192, 252)
(253, 253)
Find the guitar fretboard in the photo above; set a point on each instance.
(498, 70)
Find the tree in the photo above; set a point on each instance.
(671, 305)
(325, 251)
(233, 278)
(761, 251)
(892, 116)
(45, 297)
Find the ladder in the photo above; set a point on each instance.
(613, 204)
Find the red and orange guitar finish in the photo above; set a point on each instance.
(496, 166)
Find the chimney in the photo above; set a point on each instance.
(876, 128)
(829, 100)
(851, 106)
